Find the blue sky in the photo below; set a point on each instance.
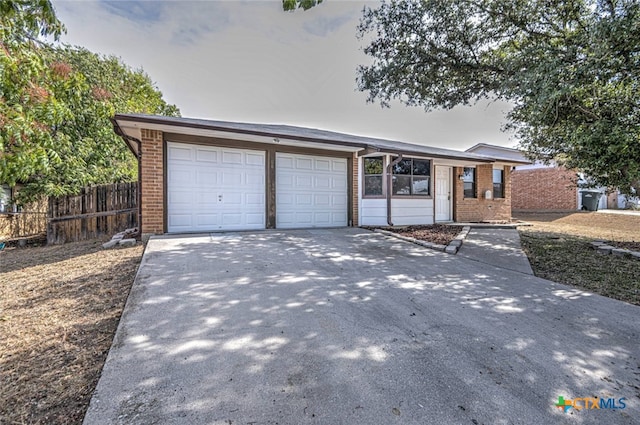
(250, 61)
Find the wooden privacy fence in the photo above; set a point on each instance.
(96, 211)
(30, 221)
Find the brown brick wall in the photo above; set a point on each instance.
(544, 189)
(152, 182)
(479, 208)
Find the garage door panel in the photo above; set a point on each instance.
(304, 199)
(254, 199)
(206, 178)
(338, 183)
(284, 180)
(322, 182)
(304, 163)
(232, 157)
(206, 155)
(322, 218)
(339, 166)
(311, 194)
(231, 219)
(303, 218)
(255, 219)
(204, 221)
(212, 188)
(232, 199)
(179, 153)
(183, 220)
(253, 179)
(323, 165)
(179, 197)
(253, 159)
(305, 182)
(322, 200)
(285, 199)
(181, 176)
(338, 217)
(285, 219)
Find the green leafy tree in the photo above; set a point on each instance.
(570, 67)
(290, 5)
(55, 106)
(26, 108)
(93, 88)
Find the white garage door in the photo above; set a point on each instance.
(311, 191)
(212, 188)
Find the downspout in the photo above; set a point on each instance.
(390, 186)
(139, 142)
(138, 156)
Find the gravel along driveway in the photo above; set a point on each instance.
(346, 326)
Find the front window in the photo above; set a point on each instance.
(411, 177)
(498, 183)
(469, 179)
(373, 176)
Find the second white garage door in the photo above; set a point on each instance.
(311, 191)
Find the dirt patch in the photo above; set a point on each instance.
(437, 233)
(558, 247)
(59, 309)
(596, 225)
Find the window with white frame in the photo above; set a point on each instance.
(373, 176)
(411, 176)
(5, 198)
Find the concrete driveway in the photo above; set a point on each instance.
(346, 326)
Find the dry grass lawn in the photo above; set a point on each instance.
(595, 225)
(59, 309)
(559, 249)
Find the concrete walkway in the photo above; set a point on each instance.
(496, 247)
(622, 212)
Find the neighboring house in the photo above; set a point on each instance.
(536, 186)
(201, 175)
(546, 187)
(6, 195)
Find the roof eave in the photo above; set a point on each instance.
(129, 140)
(276, 135)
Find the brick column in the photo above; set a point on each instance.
(152, 182)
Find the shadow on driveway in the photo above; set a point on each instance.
(345, 326)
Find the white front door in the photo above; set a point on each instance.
(311, 191)
(443, 193)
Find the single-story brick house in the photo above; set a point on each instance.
(202, 175)
(542, 187)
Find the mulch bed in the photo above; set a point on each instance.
(437, 233)
(59, 309)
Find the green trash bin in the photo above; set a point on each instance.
(590, 199)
